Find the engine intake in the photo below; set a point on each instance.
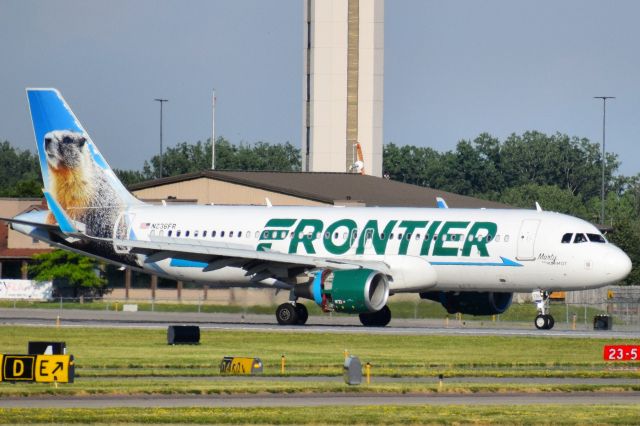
(471, 302)
(351, 291)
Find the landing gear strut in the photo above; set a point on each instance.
(376, 319)
(292, 313)
(544, 320)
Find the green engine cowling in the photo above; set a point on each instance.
(352, 291)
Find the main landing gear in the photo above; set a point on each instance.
(292, 313)
(295, 313)
(544, 320)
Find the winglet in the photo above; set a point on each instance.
(441, 203)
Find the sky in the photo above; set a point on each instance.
(453, 69)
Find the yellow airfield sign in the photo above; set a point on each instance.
(240, 365)
(37, 368)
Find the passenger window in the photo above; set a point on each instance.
(213, 234)
(566, 238)
(417, 236)
(186, 234)
(169, 233)
(408, 237)
(391, 236)
(506, 238)
(489, 238)
(399, 236)
(177, 233)
(240, 234)
(580, 238)
(221, 233)
(152, 233)
(335, 235)
(230, 234)
(204, 234)
(382, 236)
(596, 238)
(195, 234)
(326, 235)
(497, 239)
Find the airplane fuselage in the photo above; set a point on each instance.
(486, 250)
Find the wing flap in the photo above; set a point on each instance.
(172, 248)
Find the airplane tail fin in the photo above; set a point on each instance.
(79, 185)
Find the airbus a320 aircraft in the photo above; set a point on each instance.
(344, 259)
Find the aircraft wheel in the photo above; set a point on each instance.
(541, 322)
(302, 313)
(286, 314)
(550, 322)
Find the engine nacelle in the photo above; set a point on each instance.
(471, 302)
(352, 291)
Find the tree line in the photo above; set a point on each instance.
(563, 173)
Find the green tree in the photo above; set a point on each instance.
(19, 172)
(79, 272)
(550, 197)
(188, 158)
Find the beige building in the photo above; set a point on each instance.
(343, 84)
(16, 249)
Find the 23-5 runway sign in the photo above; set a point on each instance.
(37, 368)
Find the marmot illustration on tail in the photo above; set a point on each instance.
(79, 185)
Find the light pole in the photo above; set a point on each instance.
(162, 101)
(604, 126)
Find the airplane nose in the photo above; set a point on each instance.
(618, 264)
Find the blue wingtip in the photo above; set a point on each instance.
(509, 262)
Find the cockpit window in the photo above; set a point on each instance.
(566, 238)
(596, 238)
(580, 238)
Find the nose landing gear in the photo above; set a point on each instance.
(544, 320)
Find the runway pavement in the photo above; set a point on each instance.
(316, 324)
(327, 399)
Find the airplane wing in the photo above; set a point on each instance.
(260, 264)
(30, 223)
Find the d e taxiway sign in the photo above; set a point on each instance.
(37, 368)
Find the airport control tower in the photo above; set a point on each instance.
(343, 85)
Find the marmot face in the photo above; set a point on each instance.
(65, 149)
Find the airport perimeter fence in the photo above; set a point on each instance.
(571, 313)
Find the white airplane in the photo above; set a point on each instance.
(344, 259)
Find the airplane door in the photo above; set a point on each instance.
(121, 230)
(527, 239)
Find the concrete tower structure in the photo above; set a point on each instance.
(343, 84)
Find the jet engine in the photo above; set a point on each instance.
(471, 302)
(352, 291)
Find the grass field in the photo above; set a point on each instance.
(139, 362)
(102, 352)
(406, 415)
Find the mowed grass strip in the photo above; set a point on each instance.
(338, 415)
(144, 352)
(235, 387)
